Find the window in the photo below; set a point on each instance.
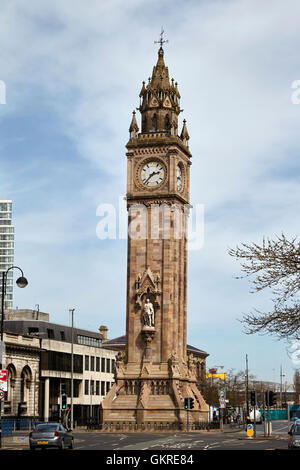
(86, 387)
(92, 363)
(86, 362)
(113, 363)
(107, 387)
(50, 333)
(97, 387)
(62, 336)
(32, 330)
(102, 388)
(89, 341)
(98, 364)
(154, 123)
(102, 364)
(56, 360)
(107, 365)
(92, 391)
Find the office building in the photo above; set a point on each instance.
(6, 248)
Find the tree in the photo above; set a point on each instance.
(276, 265)
(296, 386)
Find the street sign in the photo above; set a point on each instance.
(222, 402)
(3, 380)
(249, 430)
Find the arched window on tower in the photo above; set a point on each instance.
(154, 123)
(144, 124)
(167, 123)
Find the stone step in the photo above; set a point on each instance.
(160, 401)
(125, 401)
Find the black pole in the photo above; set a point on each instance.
(247, 386)
(2, 346)
(2, 308)
(4, 281)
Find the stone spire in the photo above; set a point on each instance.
(134, 128)
(159, 101)
(184, 134)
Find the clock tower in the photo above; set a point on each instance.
(155, 374)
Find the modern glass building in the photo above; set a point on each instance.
(6, 248)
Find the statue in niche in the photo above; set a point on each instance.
(148, 314)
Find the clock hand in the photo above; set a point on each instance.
(150, 176)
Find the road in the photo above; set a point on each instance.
(183, 441)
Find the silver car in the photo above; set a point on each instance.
(294, 436)
(50, 435)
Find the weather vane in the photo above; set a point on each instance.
(161, 41)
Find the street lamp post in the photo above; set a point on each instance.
(72, 370)
(21, 282)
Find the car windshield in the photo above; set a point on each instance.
(297, 430)
(46, 427)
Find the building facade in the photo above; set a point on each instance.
(6, 248)
(38, 360)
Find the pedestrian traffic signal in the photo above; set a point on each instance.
(64, 400)
(253, 397)
(191, 403)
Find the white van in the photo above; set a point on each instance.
(258, 416)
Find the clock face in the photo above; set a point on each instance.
(152, 174)
(179, 177)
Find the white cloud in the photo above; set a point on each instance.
(235, 62)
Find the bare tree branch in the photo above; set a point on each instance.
(275, 265)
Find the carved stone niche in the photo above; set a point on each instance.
(147, 284)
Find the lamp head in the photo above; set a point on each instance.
(22, 282)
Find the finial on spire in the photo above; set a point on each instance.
(161, 40)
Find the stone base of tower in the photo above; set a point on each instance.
(152, 399)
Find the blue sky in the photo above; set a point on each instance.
(73, 74)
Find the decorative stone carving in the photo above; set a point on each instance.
(174, 364)
(147, 285)
(119, 365)
(191, 364)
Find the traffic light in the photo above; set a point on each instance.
(272, 398)
(253, 397)
(188, 403)
(64, 399)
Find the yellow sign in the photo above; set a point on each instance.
(216, 376)
(249, 430)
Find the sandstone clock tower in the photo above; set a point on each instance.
(155, 374)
